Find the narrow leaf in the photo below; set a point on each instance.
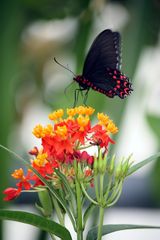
(137, 166)
(66, 184)
(37, 221)
(106, 229)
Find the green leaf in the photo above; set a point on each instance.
(137, 166)
(68, 188)
(106, 229)
(37, 221)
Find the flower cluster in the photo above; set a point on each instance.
(63, 142)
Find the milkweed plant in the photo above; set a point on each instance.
(69, 179)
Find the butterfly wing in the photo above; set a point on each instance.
(102, 65)
(104, 52)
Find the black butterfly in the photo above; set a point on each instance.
(101, 70)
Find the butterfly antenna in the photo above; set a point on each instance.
(67, 68)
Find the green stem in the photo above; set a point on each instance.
(96, 187)
(79, 212)
(87, 195)
(84, 147)
(79, 205)
(101, 211)
(116, 190)
(108, 188)
(101, 216)
(116, 198)
(101, 187)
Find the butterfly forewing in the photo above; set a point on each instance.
(104, 52)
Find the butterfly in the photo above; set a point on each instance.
(101, 70)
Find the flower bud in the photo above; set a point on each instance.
(100, 162)
(118, 171)
(126, 166)
(112, 165)
(95, 166)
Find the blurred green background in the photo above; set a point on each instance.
(32, 84)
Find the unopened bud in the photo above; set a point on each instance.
(112, 165)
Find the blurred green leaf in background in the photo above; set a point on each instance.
(34, 32)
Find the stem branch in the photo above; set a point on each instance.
(101, 216)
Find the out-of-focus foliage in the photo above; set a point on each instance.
(154, 123)
(22, 63)
(49, 9)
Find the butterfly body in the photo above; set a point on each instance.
(101, 70)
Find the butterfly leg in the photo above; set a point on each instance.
(85, 97)
(76, 95)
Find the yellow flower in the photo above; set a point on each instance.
(48, 130)
(103, 118)
(38, 131)
(89, 110)
(41, 159)
(61, 131)
(84, 110)
(105, 121)
(71, 112)
(56, 115)
(82, 121)
(111, 127)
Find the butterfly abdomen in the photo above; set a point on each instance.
(83, 82)
(86, 84)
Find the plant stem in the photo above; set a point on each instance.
(117, 197)
(79, 212)
(84, 147)
(101, 216)
(108, 188)
(79, 205)
(101, 187)
(101, 208)
(96, 187)
(87, 195)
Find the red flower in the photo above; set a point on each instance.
(86, 157)
(100, 137)
(54, 146)
(11, 193)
